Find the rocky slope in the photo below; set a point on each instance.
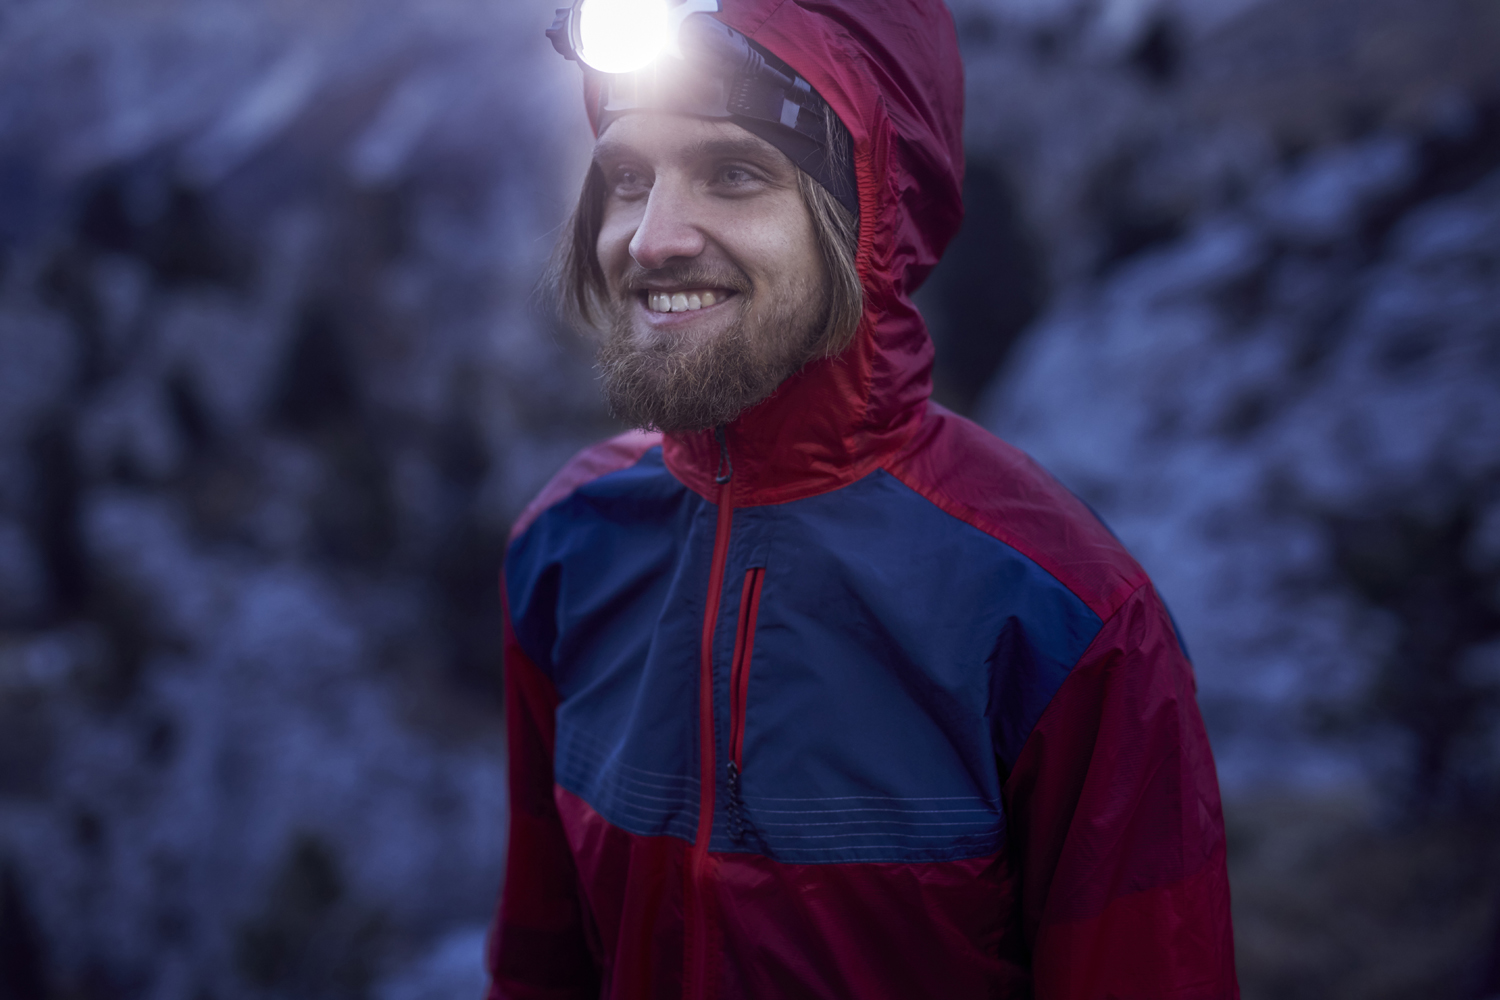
(272, 384)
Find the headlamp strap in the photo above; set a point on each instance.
(790, 109)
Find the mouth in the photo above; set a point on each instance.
(683, 300)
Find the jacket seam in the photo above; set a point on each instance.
(957, 510)
(1104, 624)
(538, 515)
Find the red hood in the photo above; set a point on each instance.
(891, 71)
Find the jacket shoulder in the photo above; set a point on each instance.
(593, 462)
(999, 489)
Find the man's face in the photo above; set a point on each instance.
(717, 288)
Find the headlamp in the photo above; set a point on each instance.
(675, 55)
(622, 36)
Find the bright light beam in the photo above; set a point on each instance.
(622, 36)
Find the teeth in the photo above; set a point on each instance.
(679, 301)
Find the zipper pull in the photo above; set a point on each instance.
(736, 816)
(726, 469)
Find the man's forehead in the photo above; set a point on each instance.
(663, 134)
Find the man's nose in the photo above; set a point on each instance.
(667, 229)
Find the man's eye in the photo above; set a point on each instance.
(736, 176)
(627, 182)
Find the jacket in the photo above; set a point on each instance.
(860, 702)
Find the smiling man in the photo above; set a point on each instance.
(815, 689)
(715, 257)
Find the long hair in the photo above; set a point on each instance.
(578, 283)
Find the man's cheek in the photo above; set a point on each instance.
(612, 251)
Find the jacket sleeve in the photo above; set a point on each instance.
(539, 947)
(1116, 826)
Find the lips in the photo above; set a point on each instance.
(686, 300)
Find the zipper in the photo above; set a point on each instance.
(739, 685)
(695, 950)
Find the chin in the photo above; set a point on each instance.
(665, 330)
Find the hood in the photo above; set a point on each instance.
(891, 71)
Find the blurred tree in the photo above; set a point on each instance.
(988, 288)
(21, 961)
(1419, 569)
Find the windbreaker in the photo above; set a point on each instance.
(861, 703)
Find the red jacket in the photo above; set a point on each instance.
(889, 713)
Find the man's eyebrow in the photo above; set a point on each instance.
(718, 147)
(609, 149)
(747, 147)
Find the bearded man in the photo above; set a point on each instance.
(814, 688)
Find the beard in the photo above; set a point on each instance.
(678, 382)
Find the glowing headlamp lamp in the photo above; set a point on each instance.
(622, 36)
(674, 55)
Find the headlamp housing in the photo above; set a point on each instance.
(674, 55)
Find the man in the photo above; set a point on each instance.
(820, 690)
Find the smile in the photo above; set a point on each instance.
(688, 300)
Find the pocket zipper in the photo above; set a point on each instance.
(739, 684)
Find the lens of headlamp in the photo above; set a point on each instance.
(621, 36)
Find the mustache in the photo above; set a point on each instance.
(688, 274)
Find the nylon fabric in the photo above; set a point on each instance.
(544, 946)
(972, 759)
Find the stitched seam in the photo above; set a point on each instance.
(958, 511)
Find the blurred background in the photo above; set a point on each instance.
(275, 378)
